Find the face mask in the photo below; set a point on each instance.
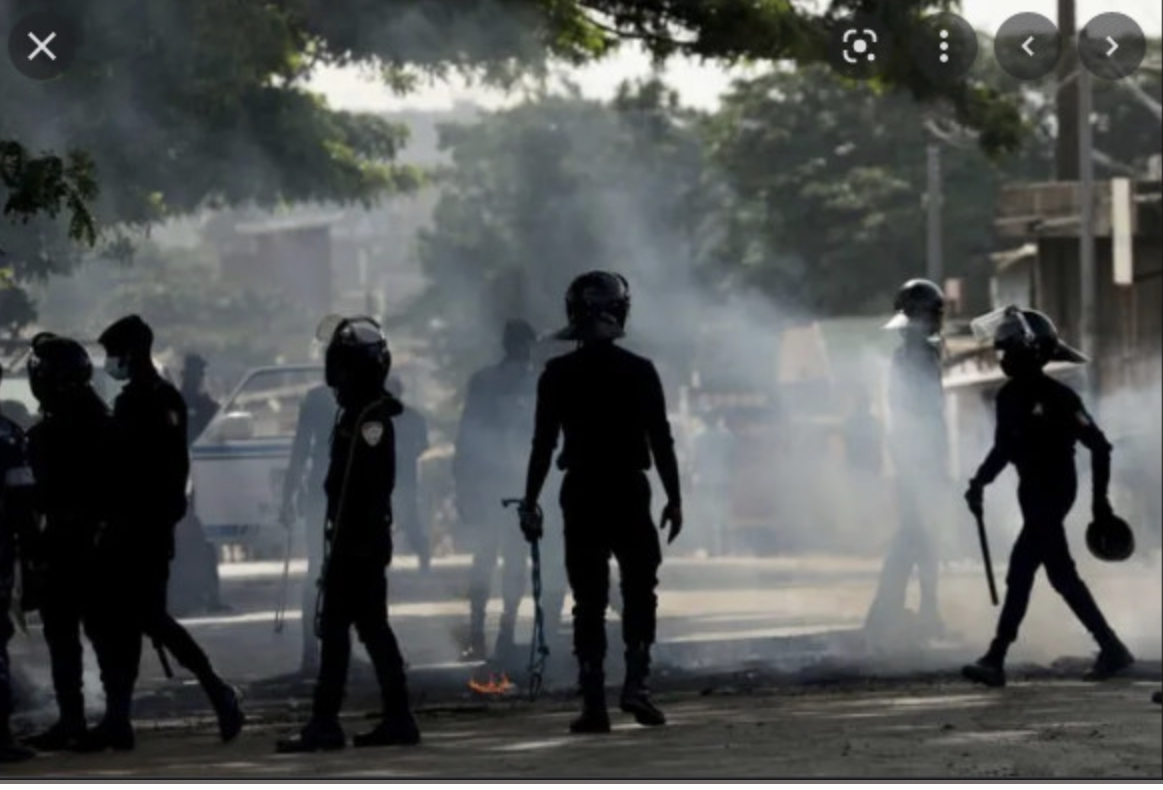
(117, 368)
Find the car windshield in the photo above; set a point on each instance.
(266, 406)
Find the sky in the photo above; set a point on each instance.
(699, 85)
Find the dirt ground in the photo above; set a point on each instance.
(919, 729)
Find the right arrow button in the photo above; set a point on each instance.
(1112, 46)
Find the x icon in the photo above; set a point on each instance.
(42, 46)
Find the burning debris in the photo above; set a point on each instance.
(495, 685)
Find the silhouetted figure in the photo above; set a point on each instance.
(359, 483)
(68, 449)
(17, 528)
(200, 407)
(491, 444)
(303, 494)
(919, 448)
(151, 465)
(1039, 421)
(411, 442)
(609, 405)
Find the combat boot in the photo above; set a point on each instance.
(398, 726)
(594, 718)
(227, 706)
(65, 734)
(636, 694)
(988, 670)
(1113, 658)
(116, 734)
(317, 736)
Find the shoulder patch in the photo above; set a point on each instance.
(372, 432)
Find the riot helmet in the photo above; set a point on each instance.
(1110, 539)
(597, 305)
(1025, 340)
(57, 368)
(357, 356)
(920, 306)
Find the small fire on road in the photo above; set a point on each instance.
(496, 684)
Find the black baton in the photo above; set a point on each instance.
(985, 557)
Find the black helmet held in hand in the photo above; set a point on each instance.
(597, 305)
(1110, 539)
(357, 353)
(919, 304)
(57, 367)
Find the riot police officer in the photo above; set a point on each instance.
(359, 482)
(68, 449)
(17, 531)
(303, 494)
(609, 405)
(411, 442)
(490, 453)
(1039, 421)
(149, 494)
(918, 445)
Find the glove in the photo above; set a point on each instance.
(672, 518)
(1101, 509)
(974, 497)
(531, 518)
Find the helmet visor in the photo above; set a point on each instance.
(1000, 325)
(898, 321)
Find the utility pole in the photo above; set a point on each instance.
(1088, 283)
(1066, 154)
(934, 264)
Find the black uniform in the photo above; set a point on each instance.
(609, 404)
(359, 483)
(17, 525)
(411, 442)
(310, 453)
(150, 495)
(491, 446)
(1039, 420)
(69, 450)
(919, 447)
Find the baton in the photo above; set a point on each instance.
(538, 650)
(985, 556)
(281, 605)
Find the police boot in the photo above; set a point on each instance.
(227, 706)
(397, 727)
(989, 669)
(317, 736)
(635, 693)
(65, 734)
(1113, 658)
(594, 717)
(112, 733)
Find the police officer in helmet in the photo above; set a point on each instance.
(919, 449)
(1039, 421)
(151, 469)
(68, 448)
(358, 541)
(17, 532)
(608, 403)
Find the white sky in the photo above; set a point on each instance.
(699, 85)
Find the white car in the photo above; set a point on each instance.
(239, 460)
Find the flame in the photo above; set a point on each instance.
(496, 684)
